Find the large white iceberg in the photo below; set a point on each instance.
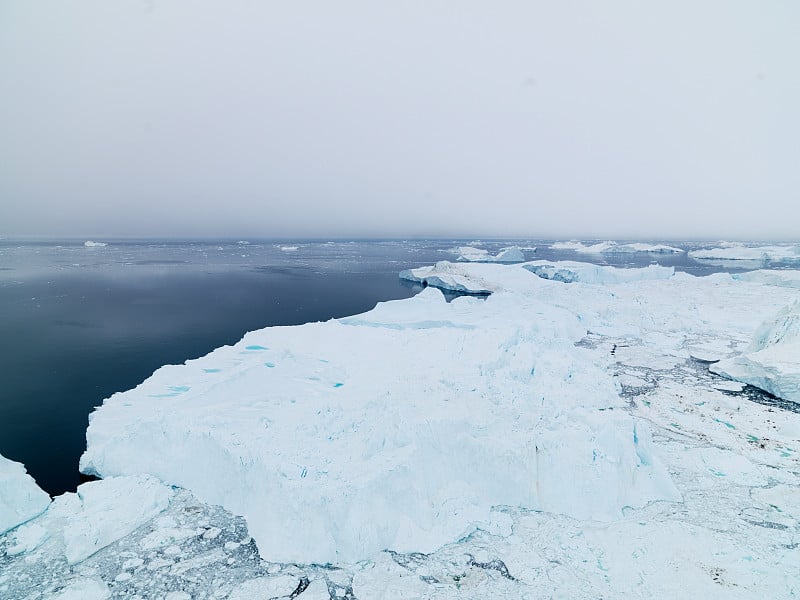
(400, 428)
(772, 361)
(611, 247)
(20, 498)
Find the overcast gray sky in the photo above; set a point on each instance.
(243, 118)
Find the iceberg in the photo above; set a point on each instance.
(772, 361)
(505, 255)
(91, 244)
(571, 272)
(611, 247)
(20, 498)
(400, 428)
(740, 252)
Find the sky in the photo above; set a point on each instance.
(586, 119)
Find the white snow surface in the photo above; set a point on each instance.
(611, 247)
(734, 251)
(772, 361)
(20, 498)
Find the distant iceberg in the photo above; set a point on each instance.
(734, 251)
(505, 255)
(91, 244)
(611, 247)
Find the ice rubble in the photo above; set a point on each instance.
(20, 498)
(772, 361)
(611, 247)
(734, 251)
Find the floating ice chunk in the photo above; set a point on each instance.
(509, 255)
(614, 247)
(772, 362)
(570, 272)
(20, 498)
(102, 512)
(742, 252)
(505, 255)
(448, 276)
(91, 244)
(84, 589)
(289, 248)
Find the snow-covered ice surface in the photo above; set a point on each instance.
(611, 247)
(558, 439)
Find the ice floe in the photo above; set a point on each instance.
(611, 247)
(91, 244)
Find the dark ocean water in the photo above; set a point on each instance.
(80, 323)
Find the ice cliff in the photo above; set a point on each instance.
(772, 361)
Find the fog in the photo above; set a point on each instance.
(333, 119)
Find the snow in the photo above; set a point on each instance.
(91, 244)
(772, 361)
(505, 255)
(20, 498)
(732, 251)
(611, 247)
